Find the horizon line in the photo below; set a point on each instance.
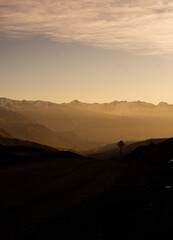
(78, 101)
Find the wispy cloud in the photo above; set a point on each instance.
(142, 25)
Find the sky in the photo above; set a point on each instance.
(90, 50)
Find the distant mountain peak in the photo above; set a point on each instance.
(75, 102)
(164, 104)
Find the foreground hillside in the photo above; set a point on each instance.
(38, 184)
(152, 154)
(79, 198)
(15, 151)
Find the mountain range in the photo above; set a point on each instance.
(82, 126)
(114, 107)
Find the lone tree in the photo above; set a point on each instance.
(121, 144)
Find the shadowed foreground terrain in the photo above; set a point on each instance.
(60, 197)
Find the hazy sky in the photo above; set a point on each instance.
(90, 50)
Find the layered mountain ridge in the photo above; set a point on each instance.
(83, 126)
(6, 102)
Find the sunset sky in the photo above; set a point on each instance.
(90, 50)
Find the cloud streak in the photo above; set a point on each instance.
(145, 26)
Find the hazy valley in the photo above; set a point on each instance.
(81, 126)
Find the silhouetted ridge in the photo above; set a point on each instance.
(111, 151)
(157, 154)
(16, 151)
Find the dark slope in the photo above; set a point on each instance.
(112, 151)
(14, 151)
(150, 164)
(157, 154)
